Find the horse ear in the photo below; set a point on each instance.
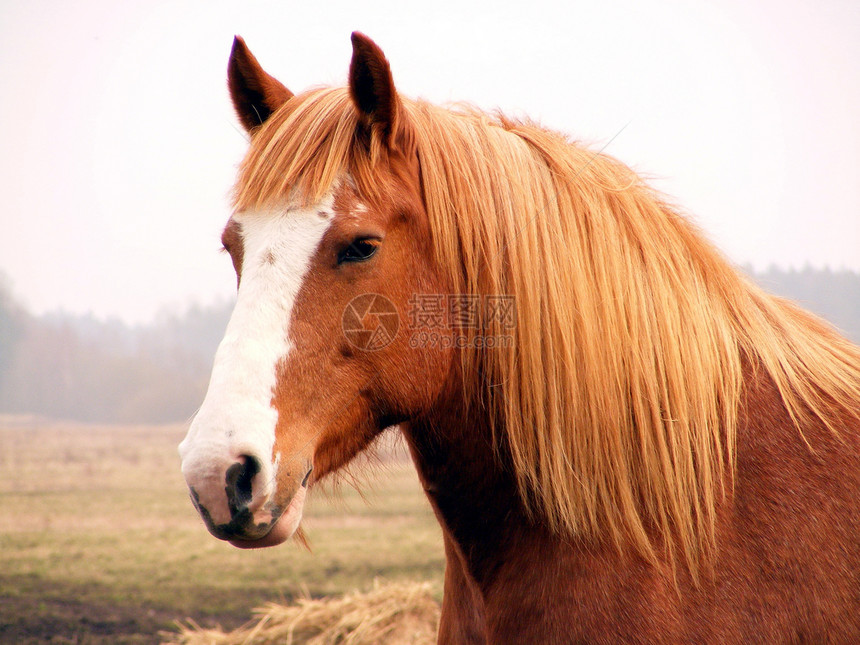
(256, 94)
(372, 88)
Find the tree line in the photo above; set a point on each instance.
(81, 368)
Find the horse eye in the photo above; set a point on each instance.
(359, 250)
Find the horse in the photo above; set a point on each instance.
(623, 438)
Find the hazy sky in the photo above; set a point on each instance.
(118, 145)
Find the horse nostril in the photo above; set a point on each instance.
(239, 483)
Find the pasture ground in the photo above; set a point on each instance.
(100, 544)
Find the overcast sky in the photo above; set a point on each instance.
(118, 145)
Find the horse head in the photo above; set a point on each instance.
(312, 367)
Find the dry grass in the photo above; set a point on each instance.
(389, 614)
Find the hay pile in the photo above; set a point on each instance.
(389, 614)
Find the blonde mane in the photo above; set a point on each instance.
(618, 400)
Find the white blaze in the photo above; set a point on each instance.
(237, 417)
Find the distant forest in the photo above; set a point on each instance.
(83, 369)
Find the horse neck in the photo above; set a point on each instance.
(473, 493)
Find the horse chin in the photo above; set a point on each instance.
(283, 529)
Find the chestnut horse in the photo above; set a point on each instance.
(624, 440)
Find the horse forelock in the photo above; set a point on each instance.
(618, 399)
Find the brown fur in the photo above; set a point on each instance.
(786, 570)
(666, 454)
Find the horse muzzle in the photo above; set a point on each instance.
(241, 501)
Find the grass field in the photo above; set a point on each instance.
(100, 544)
